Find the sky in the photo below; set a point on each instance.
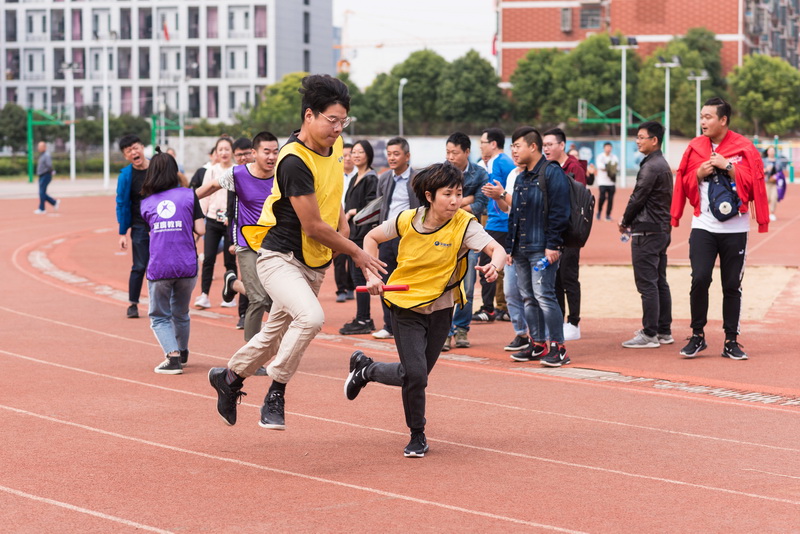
(451, 28)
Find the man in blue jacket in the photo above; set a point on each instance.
(539, 216)
(133, 230)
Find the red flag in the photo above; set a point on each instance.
(166, 31)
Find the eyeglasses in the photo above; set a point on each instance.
(640, 138)
(345, 122)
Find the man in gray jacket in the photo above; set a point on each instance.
(647, 221)
(44, 169)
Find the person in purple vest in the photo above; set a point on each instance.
(172, 213)
(252, 184)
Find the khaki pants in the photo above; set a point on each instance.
(295, 319)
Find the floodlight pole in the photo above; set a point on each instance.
(668, 66)
(698, 79)
(403, 82)
(616, 44)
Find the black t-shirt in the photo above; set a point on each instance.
(294, 179)
(137, 181)
(198, 210)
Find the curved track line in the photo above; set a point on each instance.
(82, 510)
(293, 474)
(334, 421)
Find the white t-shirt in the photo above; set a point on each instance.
(707, 221)
(511, 179)
(601, 160)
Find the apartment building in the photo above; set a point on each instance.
(206, 59)
(743, 26)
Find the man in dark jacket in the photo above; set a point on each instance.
(647, 220)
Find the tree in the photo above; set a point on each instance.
(128, 124)
(765, 93)
(279, 108)
(532, 84)
(468, 91)
(13, 123)
(706, 43)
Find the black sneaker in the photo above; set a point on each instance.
(357, 378)
(502, 315)
(240, 324)
(733, 350)
(519, 343)
(133, 311)
(556, 356)
(227, 286)
(170, 366)
(272, 412)
(695, 345)
(355, 327)
(228, 396)
(484, 316)
(533, 353)
(417, 447)
(184, 357)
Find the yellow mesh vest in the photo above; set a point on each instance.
(427, 261)
(328, 187)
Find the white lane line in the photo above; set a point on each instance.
(773, 474)
(364, 427)
(292, 473)
(82, 510)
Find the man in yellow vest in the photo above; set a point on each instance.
(301, 224)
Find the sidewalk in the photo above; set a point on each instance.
(60, 187)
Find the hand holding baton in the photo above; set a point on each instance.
(397, 287)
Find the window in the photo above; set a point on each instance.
(566, 20)
(306, 61)
(30, 63)
(232, 100)
(231, 20)
(163, 61)
(233, 61)
(591, 17)
(178, 61)
(245, 60)
(306, 27)
(97, 61)
(246, 20)
(111, 61)
(30, 24)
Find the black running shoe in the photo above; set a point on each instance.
(519, 343)
(484, 316)
(502, 315)
(733, 350)
(417, 447)
(184, 357)
(170, 366)
(227, 287)
(533, 353)
(356, 327)
(556, 356)
(695, 345)
(133, 311)
(357, 378)
(272, 412)
(228, 396)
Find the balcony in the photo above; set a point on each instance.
(240, 34)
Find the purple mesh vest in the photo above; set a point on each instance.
(251, 193)
(170, 216)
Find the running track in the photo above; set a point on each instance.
(94, 441)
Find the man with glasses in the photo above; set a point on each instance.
(134, 232)
(243, 154)
(647, 220)
(302, 222)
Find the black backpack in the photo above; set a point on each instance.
(723, 200)
(581, 210)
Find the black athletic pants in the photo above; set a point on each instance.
(649, 259)
(568, 287)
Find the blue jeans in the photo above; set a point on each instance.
(516, 309)
(140, 249)
(538, 290)
(169, 311)
(44, 181)
(463, 314)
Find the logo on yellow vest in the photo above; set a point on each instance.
(440, 244)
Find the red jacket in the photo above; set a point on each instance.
(749, 176)
(573, 165)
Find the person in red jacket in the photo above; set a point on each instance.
(718, 150)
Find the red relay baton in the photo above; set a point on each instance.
(399, 287)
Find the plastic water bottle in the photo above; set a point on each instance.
(541, 265)
(625, 236)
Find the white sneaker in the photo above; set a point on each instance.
(202, 302)
(641, 341)
(382, 334)
(37, 211)
(772, 217)
(665, 339)
(57, 204)
(571, 332)
(231, 304)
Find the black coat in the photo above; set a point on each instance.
(357, 197)
(648, 206)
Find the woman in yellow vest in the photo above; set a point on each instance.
(432, 260)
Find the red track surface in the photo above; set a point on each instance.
(94, 441)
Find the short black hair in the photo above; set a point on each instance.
(558, 133)
(723, 108)
(401, 141)
(530, 134)
(263, 137)
(433, 178)
(162, 174)
(460, 139)
(347, 145)
(129, 140)
(370, 153)
(243, 143)
(496, 135)
(654, 129)
(320, 91)
(607, 143)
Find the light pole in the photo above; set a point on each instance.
(110, 38)
(616, 44)
(667, 66)
(403, 82)
(67, 68)
(698, 78)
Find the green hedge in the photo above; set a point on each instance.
(15, 166)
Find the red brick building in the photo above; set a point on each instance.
(743, 26)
